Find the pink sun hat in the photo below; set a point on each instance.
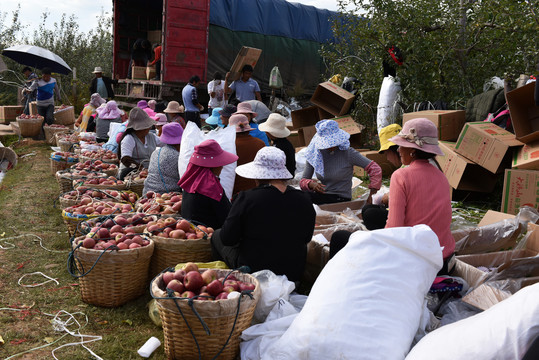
(210, 154)
(420, 134)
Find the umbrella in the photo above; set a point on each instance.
(37, 57)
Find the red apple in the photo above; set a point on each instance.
(88, 243)
(167, 276)
(228, 289)
(193, 281)
(246, 286)
(179, 274)
(233, 284)
(221, 296)
(204, 296)
(188, 294)
(176, 286)
(122, 246)
(103, 233)
(190, 266)
(214, 287)
(209, 275)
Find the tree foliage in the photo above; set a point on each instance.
(450, 47)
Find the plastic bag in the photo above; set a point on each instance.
(275, 80)
(273, 287)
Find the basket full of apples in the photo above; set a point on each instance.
(66, 140)
(65, 177)
(101, 154)
(135, 180)
(178, 241)
(166, 204)
(64, 115)
(29, 125)
(61, 160)
(118, 224)
(101, 183)
(111, 271)
(88, 209)
(224, 301)
(97, 165)
(86, 194)
(51, 131)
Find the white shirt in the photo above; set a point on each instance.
(128, 144)
(219, 89)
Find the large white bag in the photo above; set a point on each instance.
(387, 102)
(368, 300)
(503, 332)
(192, 136)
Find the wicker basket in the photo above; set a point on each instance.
(170, 252)
(50, 134)
(65, 179)
(30, 127)
(218, 315)
(60, 165)
(116, 278)
(65, 145)
(73, 222)
(65, 116)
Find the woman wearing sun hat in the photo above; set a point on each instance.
(277, 132)
(215, 119)
(204, 199)
(137, 142)
(246, 148)
(268, 227)
(163, 175)
(106, 115)
(330, 157)
(245, 108)
(173, 110)
(160, 121)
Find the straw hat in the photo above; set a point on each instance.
(97, 70)
(139, 120)
(174, 107)
(171, 133)
(210, 154)
(275, 125)
(269, 163)
(387, 133)
(420, 134)
(241, 122)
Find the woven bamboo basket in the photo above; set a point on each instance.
(50, 134)
(218, 315)
(65, 145)
(65, 116)
(65, 179)
(170, 252)
(60, 165)
(30, 127)
(73, 222)
(116, 278)
(135, 186)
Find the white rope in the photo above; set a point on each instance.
(35, 240)
(7, 243)
(40, 284)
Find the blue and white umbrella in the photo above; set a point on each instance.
(37, 57)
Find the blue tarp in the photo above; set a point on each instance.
(273, 17)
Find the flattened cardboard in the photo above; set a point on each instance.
(487, 144)
(341, 206)
(246, 56)
(524, 113)
(464, 174)
(448, 122)
(520, 188)
(492, 217)
(332, 98)
(527, 157)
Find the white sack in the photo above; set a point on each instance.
(226, 137)
(368, 300)
(387, 110)
(272, 288)
(504, 331)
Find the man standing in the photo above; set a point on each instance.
(190, 101)
(246, 88)
(102, 84)
(31, 96)
(46, 89)
(157, 61)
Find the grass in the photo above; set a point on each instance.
(27, 196)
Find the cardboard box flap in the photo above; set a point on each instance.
(524, 112)
(497, 132)
(348, 124)
(492, 217)
(246, 56)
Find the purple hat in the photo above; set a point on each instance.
(210, 154)
(171, 133)
(241, 122)
(161, 119)
(109, 112)
(143, 104)
(420, 134)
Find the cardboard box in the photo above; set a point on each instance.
(463, 174)
(346, 123)
(380, 159)
(487, 144)
(9, 113)
(305, 117)
(520, 188)
(154, 36)
(527, 157)
(295, 140)
(306, 134)
(332, 98)
(246, 56)
(492, 217)
(33, 108)
(448, 122)
(341, 206)
(150, 72)
(138, 73)
(489, 294)
(524, 113)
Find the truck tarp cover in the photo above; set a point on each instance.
(289, 34)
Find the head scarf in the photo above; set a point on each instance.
(327, 136)
(109, 112)
(200, 179)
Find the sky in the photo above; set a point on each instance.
(87, 11)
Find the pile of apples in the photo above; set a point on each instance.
(77, 174)
(165, 204)
(83, 192)
(101, 238)
(124, 220)
(95, 165)
(189, 282)
(177, 229)
(35, 116)
(68, 137)
(64, 156)
(141, 176)
(56, 126)
(89, 206)
(101, 154)
(111, 180)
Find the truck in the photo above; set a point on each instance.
(201, 37)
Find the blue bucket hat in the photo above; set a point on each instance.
(215, 118)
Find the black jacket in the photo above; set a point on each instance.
(205, 210)
(288, 149)
(108, 85)
(271, 228)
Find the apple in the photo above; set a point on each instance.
(103, 233)
(228, 289)
(179, 275)
(177, 234)
(169, 221)
(134, 246)
(215, 287)
(193, 281)
(204, 296)
(116, 228)
(246, 286)
(176, 286)
(122, 246)
(190, 266)
(88, 243)
(167, 276)
(108, 224)
(233, 284)
(221, 296)
(209, 275)
(188, 294)
(184, 225)
(120, 220)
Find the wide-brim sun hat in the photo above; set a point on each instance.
(210, 154)
(245, 108)
(241, 122)
(109, 112)
(420, 134)
(160, 119)
(139, 120)
(269, 163)
(387, 133)
(214, 118)
(171, 134)
(328, 135)
(96, 100)
(174, 107)
(275, 125)
(97, 70)
(143, 104)
(228, 110)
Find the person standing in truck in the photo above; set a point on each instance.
(245, 87)
(190, 101)
(157, 61)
